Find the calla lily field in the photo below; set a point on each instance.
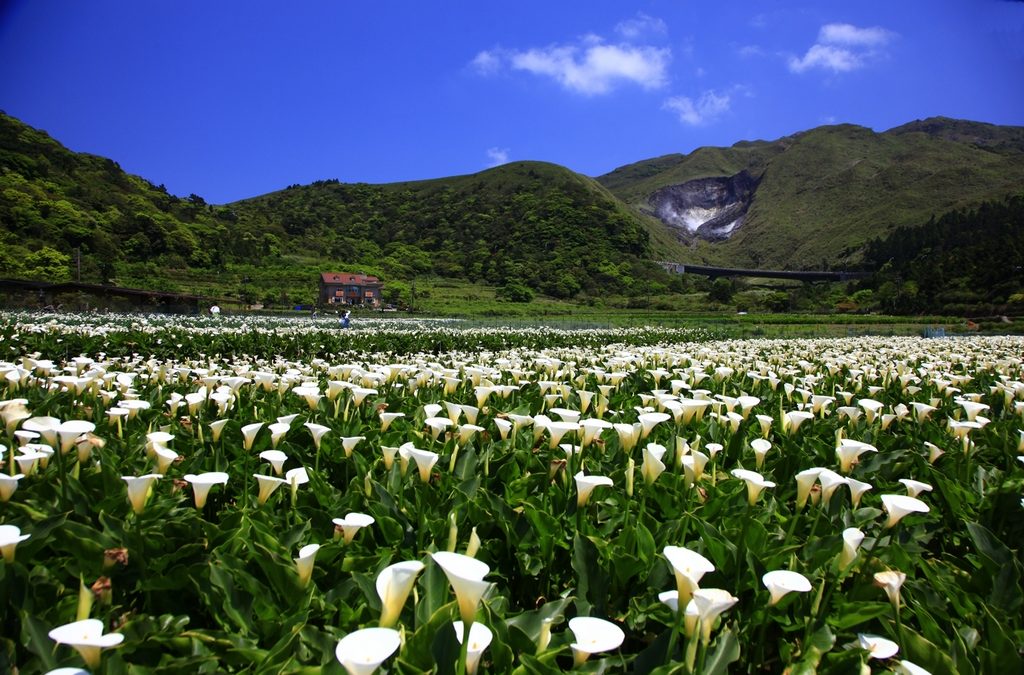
(268, 495)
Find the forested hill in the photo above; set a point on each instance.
(532, 223)
(527, 224)
(53, 200)
(968, 262)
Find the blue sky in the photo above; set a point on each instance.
(230, 99)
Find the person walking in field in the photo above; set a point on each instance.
(345, 319)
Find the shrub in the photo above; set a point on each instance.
(514, 291)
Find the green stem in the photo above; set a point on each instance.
(463, 649)
(245, 477)
(814, 523)
(419, 509)
(821, 600)
(673, 637)
(792, 528)
(687, 503)
(868, 554)
(702, 651)
(691, 653)
(741, 548)
(759, 642)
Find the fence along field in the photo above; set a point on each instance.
(251, 495)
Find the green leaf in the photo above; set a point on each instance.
(237, 606)
(445, 650)
(927, 654)
(843, 662)
(653, 656)
(999, 561)
(588, 575)
(726, 651)
(530, 623)
(820, 643)
(433, 593)
(989, 545)
(533, 665)
(281, 652)
(850, 614)
(35, 636)
(645, 547)
(419, 646)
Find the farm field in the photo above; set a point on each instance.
(274, 495)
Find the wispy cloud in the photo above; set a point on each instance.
(640, 26)
(590, 66)
(497, 156)
(848, 34)
(487, 63)
(707, 107)
(843, 47)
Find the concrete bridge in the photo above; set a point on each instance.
(797, 275)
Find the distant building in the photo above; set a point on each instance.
(345, 288)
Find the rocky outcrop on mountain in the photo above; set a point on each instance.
(707, 208)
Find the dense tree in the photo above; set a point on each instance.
(47, 264)
(968, 262)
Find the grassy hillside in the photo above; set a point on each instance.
(633, 183)
(826, 192)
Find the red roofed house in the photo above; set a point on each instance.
(345, 288)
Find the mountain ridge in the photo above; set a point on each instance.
(844, 183)
(531, 224)
(808, 200)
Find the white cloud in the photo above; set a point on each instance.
(596, 69)
(497, 156)
(843, 47)
(487, 62)
(708, 107)
(641, 25)
(848, 34)
(826, 57)
(590, 65)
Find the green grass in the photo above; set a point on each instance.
(477, 305)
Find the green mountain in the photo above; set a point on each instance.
(528, 223)
(816, 198)
(53, 201)
(522, 225)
